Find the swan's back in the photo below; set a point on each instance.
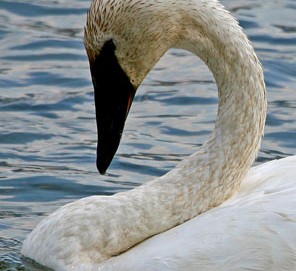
(254, 230)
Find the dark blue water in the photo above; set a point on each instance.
(47, 121)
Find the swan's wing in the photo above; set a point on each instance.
(254, 230)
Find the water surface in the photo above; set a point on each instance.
(47, 121)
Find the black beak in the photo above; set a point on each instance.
(113, 93)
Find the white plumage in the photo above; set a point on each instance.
(253, 230)
(211, 212)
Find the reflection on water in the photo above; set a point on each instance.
(47, 127)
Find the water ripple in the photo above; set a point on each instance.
(32, 10)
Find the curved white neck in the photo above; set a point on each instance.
(234, 143)
(213, 173)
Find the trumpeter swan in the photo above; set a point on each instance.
(209, 213)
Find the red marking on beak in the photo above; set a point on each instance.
(129, 102)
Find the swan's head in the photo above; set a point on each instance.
(123, 40)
